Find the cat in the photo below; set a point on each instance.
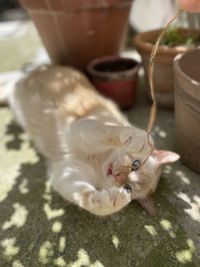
(96, 159)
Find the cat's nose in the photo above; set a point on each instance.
(120, 178)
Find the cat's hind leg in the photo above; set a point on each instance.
(94, 137)
(13, 99)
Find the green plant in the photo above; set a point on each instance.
(174, 37)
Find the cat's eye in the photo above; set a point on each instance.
(128, 188)
(135, 165)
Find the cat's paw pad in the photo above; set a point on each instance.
(110, 200)
(119, 197)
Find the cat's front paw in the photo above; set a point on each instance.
(109, 201)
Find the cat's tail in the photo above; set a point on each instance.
(7, 85)
(8, 88)
(4, 95)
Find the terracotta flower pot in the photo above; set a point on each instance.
(76, 31)
(187, 107)
(116, 78)
(163, 75)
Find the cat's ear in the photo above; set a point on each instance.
(148, 204)
(165, 157)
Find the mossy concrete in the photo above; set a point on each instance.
(39, 228)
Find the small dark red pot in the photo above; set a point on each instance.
(116, 78)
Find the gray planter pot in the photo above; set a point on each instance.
(187, 107)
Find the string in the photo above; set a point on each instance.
(153, 111)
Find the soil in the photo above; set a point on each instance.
(115, 66)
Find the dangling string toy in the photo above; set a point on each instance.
(153, 111)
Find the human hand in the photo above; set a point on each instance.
(192, 6)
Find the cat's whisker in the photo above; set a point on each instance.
(152, 149)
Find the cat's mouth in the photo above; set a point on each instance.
(110, 170)
(119, 177)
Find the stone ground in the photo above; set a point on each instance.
(39, 228)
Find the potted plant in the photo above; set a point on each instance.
(76, 31)
(116, 78)
(175, 41)
(187, 107)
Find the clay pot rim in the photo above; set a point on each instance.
(141, 42)
(177, 68)
(117, 75)
(63, 6)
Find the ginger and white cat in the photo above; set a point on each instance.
(96, 158)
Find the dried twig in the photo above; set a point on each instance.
(153, 111)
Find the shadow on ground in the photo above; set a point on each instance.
(14, 129)
(39, 228)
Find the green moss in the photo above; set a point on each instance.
(130, 238)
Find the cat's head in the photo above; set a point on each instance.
(144, 180)
(138, 172)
